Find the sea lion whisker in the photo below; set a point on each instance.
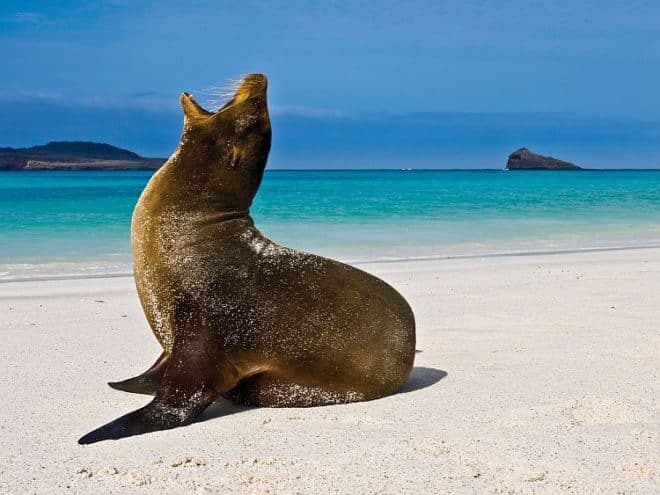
(218, 96)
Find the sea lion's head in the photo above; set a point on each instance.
(222, 155)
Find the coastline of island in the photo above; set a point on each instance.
(75, 155)
(524, 159)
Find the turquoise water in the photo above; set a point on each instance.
(56, 223)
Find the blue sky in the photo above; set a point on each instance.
(352, 84)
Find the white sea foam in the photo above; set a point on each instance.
(83, 270)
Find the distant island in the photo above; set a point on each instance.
(523, 159)
(75, 155)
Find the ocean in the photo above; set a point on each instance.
(77, 223)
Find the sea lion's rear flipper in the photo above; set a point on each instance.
(148, 382)
(195, 376)
(159, 414)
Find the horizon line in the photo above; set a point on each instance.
(407, 169)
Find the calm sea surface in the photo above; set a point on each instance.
(77, 223)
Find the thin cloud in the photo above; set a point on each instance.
(310, 112)
(25, 18)
(143, 94)
(145, 100)
(26, 96)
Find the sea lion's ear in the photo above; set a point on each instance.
(191, 109)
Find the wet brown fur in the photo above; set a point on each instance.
(237, 315)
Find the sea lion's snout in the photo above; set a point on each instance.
(255, 83)
(252, 86)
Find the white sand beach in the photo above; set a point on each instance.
(535, 374)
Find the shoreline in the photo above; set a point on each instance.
(359, 262)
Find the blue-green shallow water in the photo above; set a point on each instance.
(55, 223)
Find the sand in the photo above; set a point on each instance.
(535, 374)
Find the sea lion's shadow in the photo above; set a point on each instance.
(220, 408)
(420, 378)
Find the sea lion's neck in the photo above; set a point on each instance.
(227, 216)
(173, 188)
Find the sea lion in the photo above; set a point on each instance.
(237, 315)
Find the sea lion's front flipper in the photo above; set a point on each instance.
(195, 376)
(148, 382)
